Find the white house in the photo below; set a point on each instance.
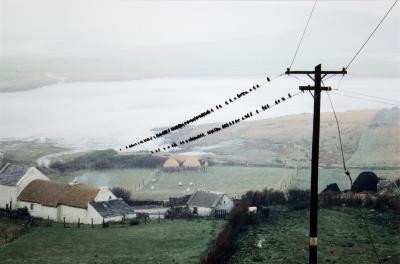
(13, 179)
(204, 203)
(27, 187)
(72, 203)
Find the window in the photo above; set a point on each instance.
(31, 206)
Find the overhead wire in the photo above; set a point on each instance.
(370, 36)
(302, 35)
(351, 184)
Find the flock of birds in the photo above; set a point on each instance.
(225, 125)
(193, 119)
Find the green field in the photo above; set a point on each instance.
(233, 180)
(342, 238)
(179, 241)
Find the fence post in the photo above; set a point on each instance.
(92, 223)
(159, 217)
(104, 224)
(79, 223)
(48, 220)
(64, 222)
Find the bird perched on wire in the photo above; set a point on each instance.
(268, 79)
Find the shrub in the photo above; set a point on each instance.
(298, 199)
(134, 222)
(265, 197)
(122, 193)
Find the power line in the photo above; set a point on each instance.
(302, 35)
(374, 97)
(202, 114)
(369, 37)
(340, 141)
(365, 99)
(227, 124)
(351, 184)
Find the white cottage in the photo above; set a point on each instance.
(73, 203)
(13, 179)
(204, 203)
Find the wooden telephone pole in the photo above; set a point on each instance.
(317, 88)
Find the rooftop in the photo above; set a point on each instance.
(204, 199)
(112, 208)
(52, 194)
(10, 174)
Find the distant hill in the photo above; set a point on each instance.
(370, 138)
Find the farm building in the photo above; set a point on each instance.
(13, 179)
(191, 163)
(171, 164)
(74, 202)
(204, 203)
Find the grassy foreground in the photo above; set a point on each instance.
(343, 238)
(178, 241)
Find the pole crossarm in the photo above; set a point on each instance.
(289, 71)
(309, 88)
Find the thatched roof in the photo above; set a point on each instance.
(191, 163)
(204, 199)
(171, 163)
(50, 193)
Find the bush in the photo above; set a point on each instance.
(122, 193)
(225, 246)
(265, 197)
(298, 199)
(133, 222)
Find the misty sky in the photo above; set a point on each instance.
(186, 38)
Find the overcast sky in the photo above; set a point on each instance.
(199, 37)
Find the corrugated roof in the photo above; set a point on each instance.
(50, 193)
(10, 174)
(204, 199)
(110, 208)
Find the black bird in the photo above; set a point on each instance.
(250, 89)
(289, 95)
(279, 101)
(230, 100)
(268, 79)
(254, 87)
(226, 103)
(257, 85)
(234, 98)
(212, 110)
(257, 112)
(283, 99)
(267, 105)
(276, 102)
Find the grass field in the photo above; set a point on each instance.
(342, 238)
(179, 241)
(233, 180)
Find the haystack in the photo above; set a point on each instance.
(366, 182)
(171, 164)
(191, 163)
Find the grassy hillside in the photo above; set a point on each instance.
(287, 140)
(178, 241)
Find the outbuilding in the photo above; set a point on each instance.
(205, 203)
(13, 179)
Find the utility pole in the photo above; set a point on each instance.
(317, 88)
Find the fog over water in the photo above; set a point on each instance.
(90, 115)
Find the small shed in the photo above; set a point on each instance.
(204, 203)
(171, 164)
(114, 210)
(191, 163)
